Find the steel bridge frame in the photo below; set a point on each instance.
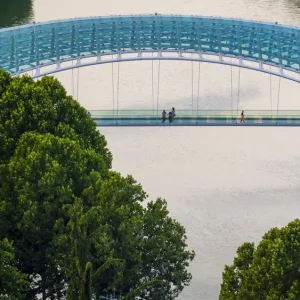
(50, 47)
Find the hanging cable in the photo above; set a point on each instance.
(152, 84)
(78, 84)
(231, 90)
(278, 98)
(113, 86)
(72, 79)
(198, 93)
(271, 98)
(192, 85)
(118, 88)
(238, 99)
(158, 80)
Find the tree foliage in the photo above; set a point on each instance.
(271, 271)
(44, 107)
(45, 173)
(73, 222)
(127, 245)
(13, 283)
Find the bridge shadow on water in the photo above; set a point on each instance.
(208, 100)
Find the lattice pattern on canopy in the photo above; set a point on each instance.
(28, 47)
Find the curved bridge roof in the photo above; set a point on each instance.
(240, 43)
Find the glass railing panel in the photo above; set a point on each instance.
(195, 114)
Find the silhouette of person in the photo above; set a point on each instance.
(163, 116)
(173, 113)
(170, 117)
(242, 117)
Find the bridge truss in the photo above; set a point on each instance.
(50, 47)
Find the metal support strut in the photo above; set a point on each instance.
(271, 98)
(113, 86)
(118, 88)
(192, 84)
(152, 81)
(231, 91)
(72, 79)
(78, 84)
(278, 97)
(158, 80)
(198, 93)
(238, 99)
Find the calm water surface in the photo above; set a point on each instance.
(225, 185)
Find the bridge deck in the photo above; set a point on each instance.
(194, 118)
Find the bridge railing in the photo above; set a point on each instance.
(108, 114)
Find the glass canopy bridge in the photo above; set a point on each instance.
(50, 47)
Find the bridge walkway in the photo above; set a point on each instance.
(196, 118)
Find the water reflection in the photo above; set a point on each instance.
(15, 12)
(295, 3)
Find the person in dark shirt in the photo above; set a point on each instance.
(170, 117)
(173, 113)
(163, 116)
(242, 117)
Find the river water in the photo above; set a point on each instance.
(225, 185)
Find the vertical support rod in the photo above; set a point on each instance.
(113, 86)
(72, 79)
(192, 64)
(238, 99)
(16, 52)
(198, 93)
(78, 84)
(118, 88)
(152, 84)
(278, 94)
(37, 50)
(231, 90)
(271, 98)
(158, 80)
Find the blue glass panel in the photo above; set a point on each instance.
(39, 44)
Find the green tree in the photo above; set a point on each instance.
(43, 106)
(45, 173)
(13, 283)
(87, 238)
(165, 256)
(269, 272)
(104, 236)
(72, 221)
(5, 80)
(150, 243)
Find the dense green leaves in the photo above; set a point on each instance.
(271, 271)
(79, 230)
(44, 107)
(45, 173)
(5, 80)
(129, 246)
(164, 252)
(12, 283)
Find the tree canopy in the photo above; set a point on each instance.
(79, 230)
(270, 271)
(13, 283)
(44, 107)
